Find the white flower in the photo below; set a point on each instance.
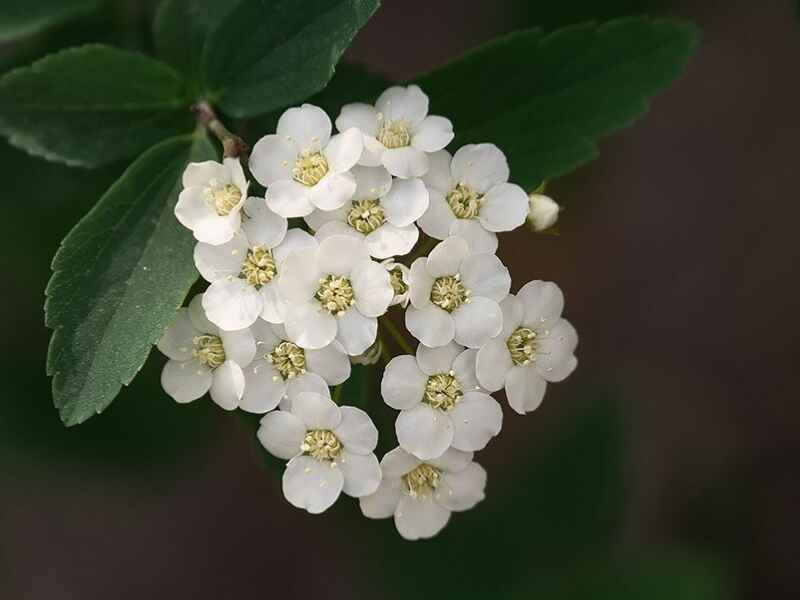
(244, 272)
(334, 291)
(329, 449)
(381, 213)
(440, 400)
(203, 358)
(400, 278)
(455, 295)
(302, 166)
(212, 196)
(398, 132)
(543, 212)
(281, 368)
(470, 197)
(421, 495)
(535, 346)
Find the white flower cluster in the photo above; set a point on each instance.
(286, 311)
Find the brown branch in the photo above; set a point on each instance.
(232, 145)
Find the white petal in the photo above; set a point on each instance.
(419, 518)
(359, 115)
(421, 283)
(362, 475)
(265, 336)
(439, 219)
(344, 150)
(264, 227)
(281, 434)
(424, 432)
(492, 364)
(272, 159)
(295, 239)
(504, 207)
(464, 369)
(430, 325)
(405, 162)
(299, 275)
(403, 383)
(310, 326)
(371, 182)
(463, 490)
(316, 411)
(319, 218)
(477, 321)
(383, 502)
(333, 191)
(407, 103)
(477, 238)
(223, 260)
(218, 230)
(356, 332)
(176, 343)
(193, 208)
(274, 307)
(372, 288)
(308, 382)
(232, 303)
(452, 461)
(311, 484)
(356, 431)
(202, 173)
(308, 127)
(373, 151)
(447, 256)
(263, 390)
(480, 166)
(289, 198)
(338, 254)
(398, 462)
(543, 302)
(227, 386)
(554, 358)
(485, 275)
(330, 362)
(524, 388)
(197, 314)
(185, 381)
(406, 202)
(439, 175)
(433, 361)
(332, 228)
(240, 346)
(389, 240)
(236, 175)
(432, 134)
(477, 418)
(513, 312)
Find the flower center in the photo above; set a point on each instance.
(399, 286)
(449, 293)
(289, 359)
(394, 134)
(366, 216)
(335, 293)
(208, 350)
(421, 481)
(259, 267)
(522, 345)
(464, 201)
(223, 198)
(442, 391)
(309, 168)
(322, 445)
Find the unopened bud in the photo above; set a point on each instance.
(543, 212)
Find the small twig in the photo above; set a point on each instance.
(232, 145)
(387, 324)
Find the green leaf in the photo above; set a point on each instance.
(265, 55)
(92, 105)
(118, 279)
(546, 99)
(19, 18)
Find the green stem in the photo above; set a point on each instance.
(389, 326)
(337, 393)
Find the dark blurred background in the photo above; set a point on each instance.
(665, 467)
